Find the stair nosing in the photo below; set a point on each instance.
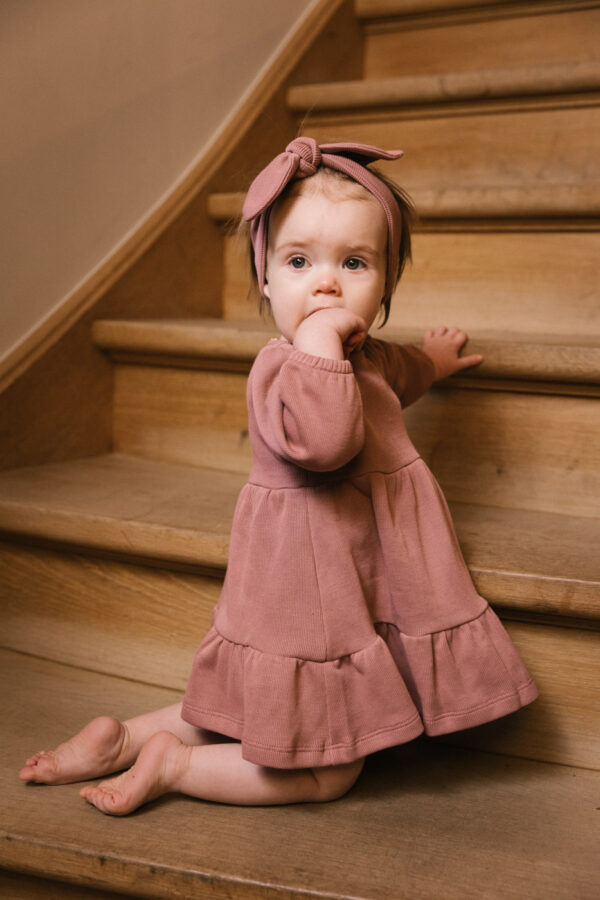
(548, 201)
(550, 360)
(423, 90)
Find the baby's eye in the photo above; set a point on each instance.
(297, 262)
(354, 263)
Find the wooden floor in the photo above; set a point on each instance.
(421, 815)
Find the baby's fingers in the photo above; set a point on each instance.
(463, 362)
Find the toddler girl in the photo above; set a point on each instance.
(348, 621)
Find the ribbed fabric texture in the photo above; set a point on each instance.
(348, 621)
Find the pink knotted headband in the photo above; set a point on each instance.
(301, 159)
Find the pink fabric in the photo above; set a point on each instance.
(301, 159)
(348, 621)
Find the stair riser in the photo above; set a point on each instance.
(542, 146)
(182, 415)
(562, 723)
(526, 282)
(135, 621)
(145, 624)
(522, 451)
(489, 447)
(569, 36)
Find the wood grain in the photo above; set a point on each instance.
(232, 345)
(509, 148)
(529, 282)
(125, 506)
(574, 77)
(522, 451)
(180, 516)
(545, 34)
(500, 448)
(401, 832)
(146, 624)
(182, 415)
(139, 622)
(563, 207)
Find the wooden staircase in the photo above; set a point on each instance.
(110, 564)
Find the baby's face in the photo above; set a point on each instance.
(325, 252)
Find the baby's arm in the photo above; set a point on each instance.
(305, 407)
(442, 346)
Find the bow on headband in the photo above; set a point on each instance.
(301, 159)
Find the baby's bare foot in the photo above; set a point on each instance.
(153, 774)
(98, 749)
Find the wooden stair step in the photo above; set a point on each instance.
(463, 203)
(447, 88)
(528, 827)
(183, 342)
(124, 506)
(518, 444)
(89, 588)
(172, 406)
(507, 145)
(182, 847)
(135, 618)
(174, 514)
(426, 36)
(215, 343)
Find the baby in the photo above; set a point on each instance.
(348, 621)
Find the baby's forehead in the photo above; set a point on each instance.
(297, 203)
(329, 183)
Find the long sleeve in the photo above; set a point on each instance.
(308, 409)
(408, 370)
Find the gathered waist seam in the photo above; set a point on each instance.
(325, 483)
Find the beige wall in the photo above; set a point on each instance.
(105, 103)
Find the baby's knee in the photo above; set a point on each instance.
(335, 781)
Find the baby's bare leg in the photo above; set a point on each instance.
(218, 773)
(106, 745)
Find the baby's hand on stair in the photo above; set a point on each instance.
(443, 346)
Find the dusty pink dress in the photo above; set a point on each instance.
(348, 621)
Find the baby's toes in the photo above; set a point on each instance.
(40, 767)
(106, 798)
(33, 760)
(94, 794)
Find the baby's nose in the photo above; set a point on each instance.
(326, 283)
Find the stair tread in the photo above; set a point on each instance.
(124, 505)
(449, 87)
(465, 203)
(172, 513)
(528, 827)
(566, 358)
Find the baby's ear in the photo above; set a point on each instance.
(266, 291)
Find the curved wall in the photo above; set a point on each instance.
(106, 104)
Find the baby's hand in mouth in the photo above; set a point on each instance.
(330, 331)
